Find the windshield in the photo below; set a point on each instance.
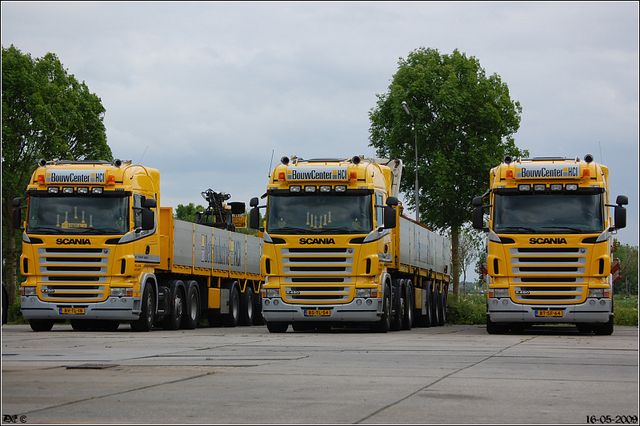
(319, 214)
(78, 215)
(548, 214)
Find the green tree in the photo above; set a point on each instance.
(464, 123)
(188, 212)
(46, 113)
(628, 256)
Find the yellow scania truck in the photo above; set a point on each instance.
(339, 252)
(98, 250)
(549, 243)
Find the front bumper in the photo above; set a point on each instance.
(592, 310)
(350, 312)
(114, 308)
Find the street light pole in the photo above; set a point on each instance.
(415, 132)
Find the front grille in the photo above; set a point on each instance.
(318, 274)
(549, 274)
(73, 274)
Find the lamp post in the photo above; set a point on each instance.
(415, 132)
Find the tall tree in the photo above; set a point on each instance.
(464, 123)
(46, 113)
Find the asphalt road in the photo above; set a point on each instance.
(453, 374)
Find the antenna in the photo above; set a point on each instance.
(601, 159)
(145, 151)
(270, 163)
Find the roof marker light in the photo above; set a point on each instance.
(41, 179)
(353, 176)
(586, 173)
(509, 174)
(111, 180)
(281, 176)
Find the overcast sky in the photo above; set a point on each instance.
(207, 92)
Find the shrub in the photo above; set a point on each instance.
(471, 309)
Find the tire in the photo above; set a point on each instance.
(147, 314)
(41, 324)
(231, 319)
(407, 319)
(174, 319)
(384, 324)
(191, 316)
(495, 328)
(605, 329)
(435, 306)
(442, 317)
(397, 302)
(277, 327)
(246, 307)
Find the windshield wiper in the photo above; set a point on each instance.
(519, 229)
(579, 231)
(46, 229)
(100, 231)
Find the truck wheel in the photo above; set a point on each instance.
(147, 314)
(494, 328)
(41, 324)
(174, 319)
(605, 329)
(192, 318)
(384, 324)
(407, 319)
(277, 327)
(231, 319)
(397, 303)
(246, 312)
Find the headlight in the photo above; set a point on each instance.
(596, 292)
(272, 292)
(363, 292)
(500, 292)
(28, 291)
(121, 291)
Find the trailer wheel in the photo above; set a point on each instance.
(435, 306)
(231, 319)
(246, 313)
(277, 327)
(442, 318)
(147, 314)
(174, 319)
(407, 319)
(191, 320)
(41, 324)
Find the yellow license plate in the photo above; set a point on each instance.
(317, 312)
(548, 313)
(72, 311)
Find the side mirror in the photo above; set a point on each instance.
(148, 221)
(389, 219)
(17, 214)
(150, 203)
(254, 217)
(477, 201)
(254, 202)
(392, 201)
(622, 200)
(620, 214)
(477, 220)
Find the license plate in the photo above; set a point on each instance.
(317, 312)
(548, 313)
(72, 311)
